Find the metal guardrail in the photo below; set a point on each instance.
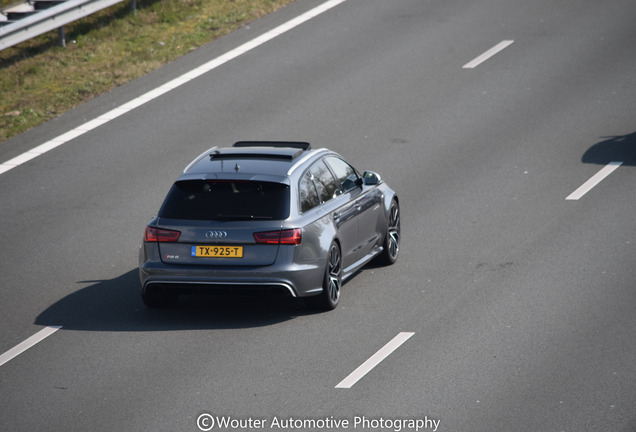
(23, 21)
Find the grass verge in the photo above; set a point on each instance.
(40, 80)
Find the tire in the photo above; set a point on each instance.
(162, 300)
(332, 281)
(391, 243)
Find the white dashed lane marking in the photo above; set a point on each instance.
(593, 181)
(485, 56)
(374, 360)
(28, 343)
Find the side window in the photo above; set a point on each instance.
(346, 174)
(325, 183)
(317, 186)
(308, 195)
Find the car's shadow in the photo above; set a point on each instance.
(621, 148)
(115, 305)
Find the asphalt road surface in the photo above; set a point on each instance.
(508, 129)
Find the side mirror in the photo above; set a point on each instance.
(371, 179)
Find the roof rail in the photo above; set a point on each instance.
(279, 144)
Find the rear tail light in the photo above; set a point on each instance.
(161, 235)
(284, 237)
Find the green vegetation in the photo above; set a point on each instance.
(40, 80)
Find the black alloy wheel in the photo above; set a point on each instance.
(332, 282)
(392, 238)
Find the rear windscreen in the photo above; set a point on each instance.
(226, 200)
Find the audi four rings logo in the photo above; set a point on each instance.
(216, 234)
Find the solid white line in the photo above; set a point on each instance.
(485, 56)
(374, 360)
(594, 180)
(28, 343)
(177, 82)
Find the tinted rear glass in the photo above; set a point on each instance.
(226, 200)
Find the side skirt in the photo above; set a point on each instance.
(350, 271)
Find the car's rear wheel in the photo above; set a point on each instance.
(159, 300)
(332, 281)
(392, 238)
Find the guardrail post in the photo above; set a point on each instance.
(60, 37)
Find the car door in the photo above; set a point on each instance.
(365, 203)
(339, 207)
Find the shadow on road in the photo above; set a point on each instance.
(115, 305)
(620, 148)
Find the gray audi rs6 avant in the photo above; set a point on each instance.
(268, 217)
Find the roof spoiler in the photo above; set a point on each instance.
(279, 144)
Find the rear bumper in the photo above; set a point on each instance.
(219, 288)
(295, 281)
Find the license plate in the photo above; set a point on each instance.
(217, 251)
